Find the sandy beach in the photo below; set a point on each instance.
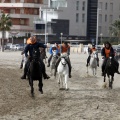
(86, 99)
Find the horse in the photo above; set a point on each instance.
(109, 71)
(35, 71)
(93, 62)
(43, 54)
(53, 61)
(63, 70)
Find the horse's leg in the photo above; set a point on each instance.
(112, 79)
(40, 85)
(31, 84)
(59, 80)
(51, 70)
(66, 79)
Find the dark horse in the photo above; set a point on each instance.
(110, 71)
(35, 71)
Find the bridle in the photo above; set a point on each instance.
(63, 63)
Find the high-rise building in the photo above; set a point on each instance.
(22, 13)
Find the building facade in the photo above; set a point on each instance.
(22, 13)
(75, 19)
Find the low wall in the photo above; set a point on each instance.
(77, 49)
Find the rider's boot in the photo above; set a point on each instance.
(98, 64)
(69, 65)
(56, 65)
(44, 73)
(117, 69)
(45, 76)
(48, 65)
(24, 75)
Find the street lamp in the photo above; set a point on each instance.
(98, 9)
(101, 36)
(61, 37)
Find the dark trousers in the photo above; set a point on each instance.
(49, 59)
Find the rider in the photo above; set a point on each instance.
(65, 48)
(58, 47)
(107, 51)
(31, 44)
(90, 51)
(54, 47)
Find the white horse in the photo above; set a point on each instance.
(53, 61)
(93, 62)
(63, 71)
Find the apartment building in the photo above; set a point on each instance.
(22, 13)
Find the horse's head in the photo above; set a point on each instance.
(94, 54)
(109, 61)
(63, 61)
(65, 55)
(36, 54)
(54, 53)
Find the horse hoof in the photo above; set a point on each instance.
(61, 88)
(41, 91)
(32, 94)
(67, 89)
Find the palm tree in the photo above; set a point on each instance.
(115, 28)
(5, 25)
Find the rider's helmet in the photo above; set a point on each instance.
(54, 47)
(93, 46)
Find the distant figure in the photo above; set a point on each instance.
(65, 48)
(54, 47)
(90, 51)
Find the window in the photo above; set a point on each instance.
(105, 18)
(83, 8)
(77, 17)
(111, 6)
(111, 18)
(21, 22)
(100, 18)
(106, 6)
(35, 11)
(83, 18)
(77, 5)
(100, 5)
(99, 30)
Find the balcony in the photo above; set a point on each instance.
(17, 5)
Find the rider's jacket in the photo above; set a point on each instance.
(92, 49)
(65, 49)
(58, 47)
(51, 50)
(30, 47)
(107, 52)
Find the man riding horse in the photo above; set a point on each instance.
(65, 48)
(106, 52)
(33, 44)
(54, 47)
(90, 51)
